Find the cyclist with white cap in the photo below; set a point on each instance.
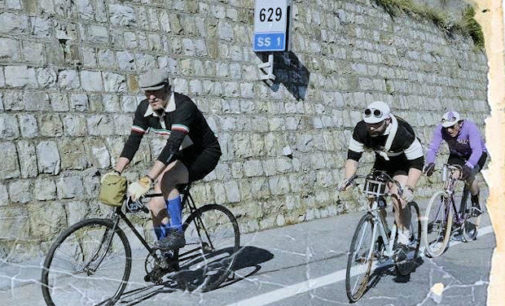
(466, 148)
(398, 152)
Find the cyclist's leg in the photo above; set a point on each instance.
(473, 183)
(402, 214)
(158, 208)
(176, 175)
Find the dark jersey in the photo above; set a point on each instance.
(182, 122)
(404, 142)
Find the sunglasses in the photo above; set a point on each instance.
(452, 127)
(377, 113)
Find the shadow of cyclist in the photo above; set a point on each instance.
(247, 263)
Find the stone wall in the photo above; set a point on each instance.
(68, 90)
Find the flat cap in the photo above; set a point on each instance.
(153, 79)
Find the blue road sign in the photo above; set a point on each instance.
(269, 42)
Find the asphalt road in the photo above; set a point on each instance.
(302, 264)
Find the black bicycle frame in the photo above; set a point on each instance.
(186, 199)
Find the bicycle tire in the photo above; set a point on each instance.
(354, 294)
(81, 247)
(414, 240)
(471, 224)
(442, 223)
(206, 270)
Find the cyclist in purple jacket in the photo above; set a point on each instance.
(466, 148)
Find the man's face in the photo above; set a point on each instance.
(453, 130)
(376, 129)
(158, 99)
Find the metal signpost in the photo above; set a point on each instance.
(271, 31)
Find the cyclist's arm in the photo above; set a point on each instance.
(436, 140)
(350, 168)
(475, 144)
(139, 128)
(415, 156)
(183, 119)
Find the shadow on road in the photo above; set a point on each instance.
(247, 263)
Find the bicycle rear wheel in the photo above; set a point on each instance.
(471, 223)
(88, 264)
(437, 224)
(212, 242)
(360, 259)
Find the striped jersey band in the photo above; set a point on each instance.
(138, 129)
(180, 127)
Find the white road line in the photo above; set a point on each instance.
(311, 284)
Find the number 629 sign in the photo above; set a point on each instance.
(270, 25)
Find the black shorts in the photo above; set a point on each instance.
(200, 163)
(459, 160)
(397, 165)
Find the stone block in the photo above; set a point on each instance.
(68, 79)
(114, 82)
(69, 187)
(14, 224)
(20, 77)
(20, 191)
(100, 125)
(8, 127)
(10, 168)
(27, 159)
(98, 34)
(99, 154)
(59, 102)
(48, 157)
(50, 125)
(9, 49)
(4, 195)
(91, 80)
(73, 154)
(79, 102)
(13, 24)
(46, 77)
(45, 189)
(46, 219)
(75, 125)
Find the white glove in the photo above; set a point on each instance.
(408, 194)
(139, 188)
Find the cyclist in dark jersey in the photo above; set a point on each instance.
(190, 153)
(466, 148)
(397, 151)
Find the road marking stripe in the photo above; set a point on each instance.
(311, 284)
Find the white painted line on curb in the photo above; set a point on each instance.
(311, 284)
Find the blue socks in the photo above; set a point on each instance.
(174, 208)
(161, 231)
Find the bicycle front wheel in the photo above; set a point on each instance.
(88, 264)
(212, 242)
(360, 259)
(437, 224)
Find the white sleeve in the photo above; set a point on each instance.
(356, 146)
(415, 150)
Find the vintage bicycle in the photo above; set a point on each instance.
(443, 220)
(91, 261)
(375, 240)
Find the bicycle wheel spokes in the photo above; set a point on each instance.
(212, 239)
(87, 264)
(438, 223)
(359, 262)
